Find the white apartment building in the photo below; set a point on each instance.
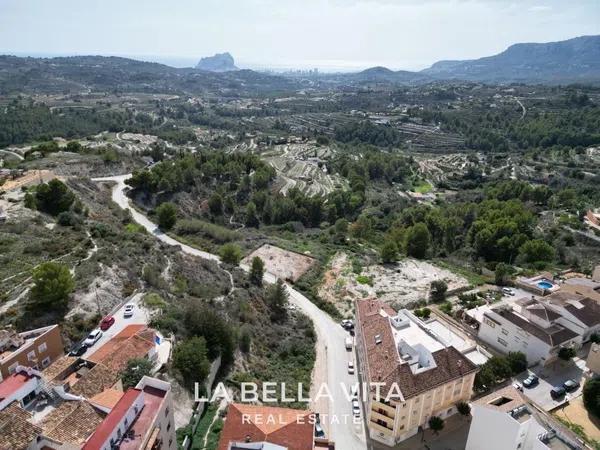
(503, 420)
(529, 327)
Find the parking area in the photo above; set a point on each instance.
(140, 316)
(553, 375)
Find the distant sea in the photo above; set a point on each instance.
(327, 66)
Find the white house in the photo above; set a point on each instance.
(503, 420)
(21, 386)
(528, 327)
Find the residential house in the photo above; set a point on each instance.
(418, 373)
(134, 341)
(530, 327)
(141, 419)
(579, 313)
(35, 348)
(252, 427)
(503, 420)
(22, 386)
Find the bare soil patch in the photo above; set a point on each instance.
(282, 263)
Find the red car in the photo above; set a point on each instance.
(107, 323)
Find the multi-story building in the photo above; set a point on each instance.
(530, 327)
(141, 419)
(35, 348)
(412, 373)
(503, 420)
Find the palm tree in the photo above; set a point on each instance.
(436, 424)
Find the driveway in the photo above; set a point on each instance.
(553, 375)
(332, 357)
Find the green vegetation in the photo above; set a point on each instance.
(257, 271)
(191, 362)
(167, 215)
(52, 284)
(437, 292)
(567, 353)
(423, 313)
(230, 254)
(436, 423)
(136, 369)
(499, 368)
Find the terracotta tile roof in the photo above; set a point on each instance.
(383, 361)
(135, 341)
(94, 381)
(58, 367)
(289, 428)
(72, 422)
(16, 432)
(584, 308)
(108, 398)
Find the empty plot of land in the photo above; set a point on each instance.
(282, 263)
(409, 280)
(30, 177)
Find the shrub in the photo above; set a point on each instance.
(591, 396)
(167, 215)
(437, 292)
(463, 408)
(436, 424)
(230, 254)
(566, 353)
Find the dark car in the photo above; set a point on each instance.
(78, 350)
(571, 385)
(531, 381)
(557, 392)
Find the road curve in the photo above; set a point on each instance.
(331, 352)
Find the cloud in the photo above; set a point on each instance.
(539, 8)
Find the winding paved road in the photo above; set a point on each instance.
(332, 357)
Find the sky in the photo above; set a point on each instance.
(281, 34)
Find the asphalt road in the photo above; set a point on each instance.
(333, 365)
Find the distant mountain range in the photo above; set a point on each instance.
(573, 60)
(221, 62)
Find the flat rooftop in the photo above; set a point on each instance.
(153, 399)
(414, 334)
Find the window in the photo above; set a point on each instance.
(504, 332)
(402, 427)
(12, 368)
(31, 355)
(169, 426)
(46, 362)
(503, 342)
(489, 322)
(42, 347)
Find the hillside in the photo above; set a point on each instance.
(572, 60)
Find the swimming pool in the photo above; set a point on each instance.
(545, 284)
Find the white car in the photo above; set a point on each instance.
(351, 367)
(354, 392)
(93, 337)
(355, 408)
(128, 311)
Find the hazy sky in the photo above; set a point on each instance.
(334, 34)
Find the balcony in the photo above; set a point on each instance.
(389, 411)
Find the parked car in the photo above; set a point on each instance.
(507, 291)
(571, 385)
(93, 337)
(355, 408)
(78, 350)
(319, 430)
(347, 324)
(351, 367)
(531, 381)
(107, 322)
(354, 391)
(128, 311)
(348, 342)
(518, 386)
(557, 392)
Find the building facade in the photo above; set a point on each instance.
(412, 373)
(35, 348)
